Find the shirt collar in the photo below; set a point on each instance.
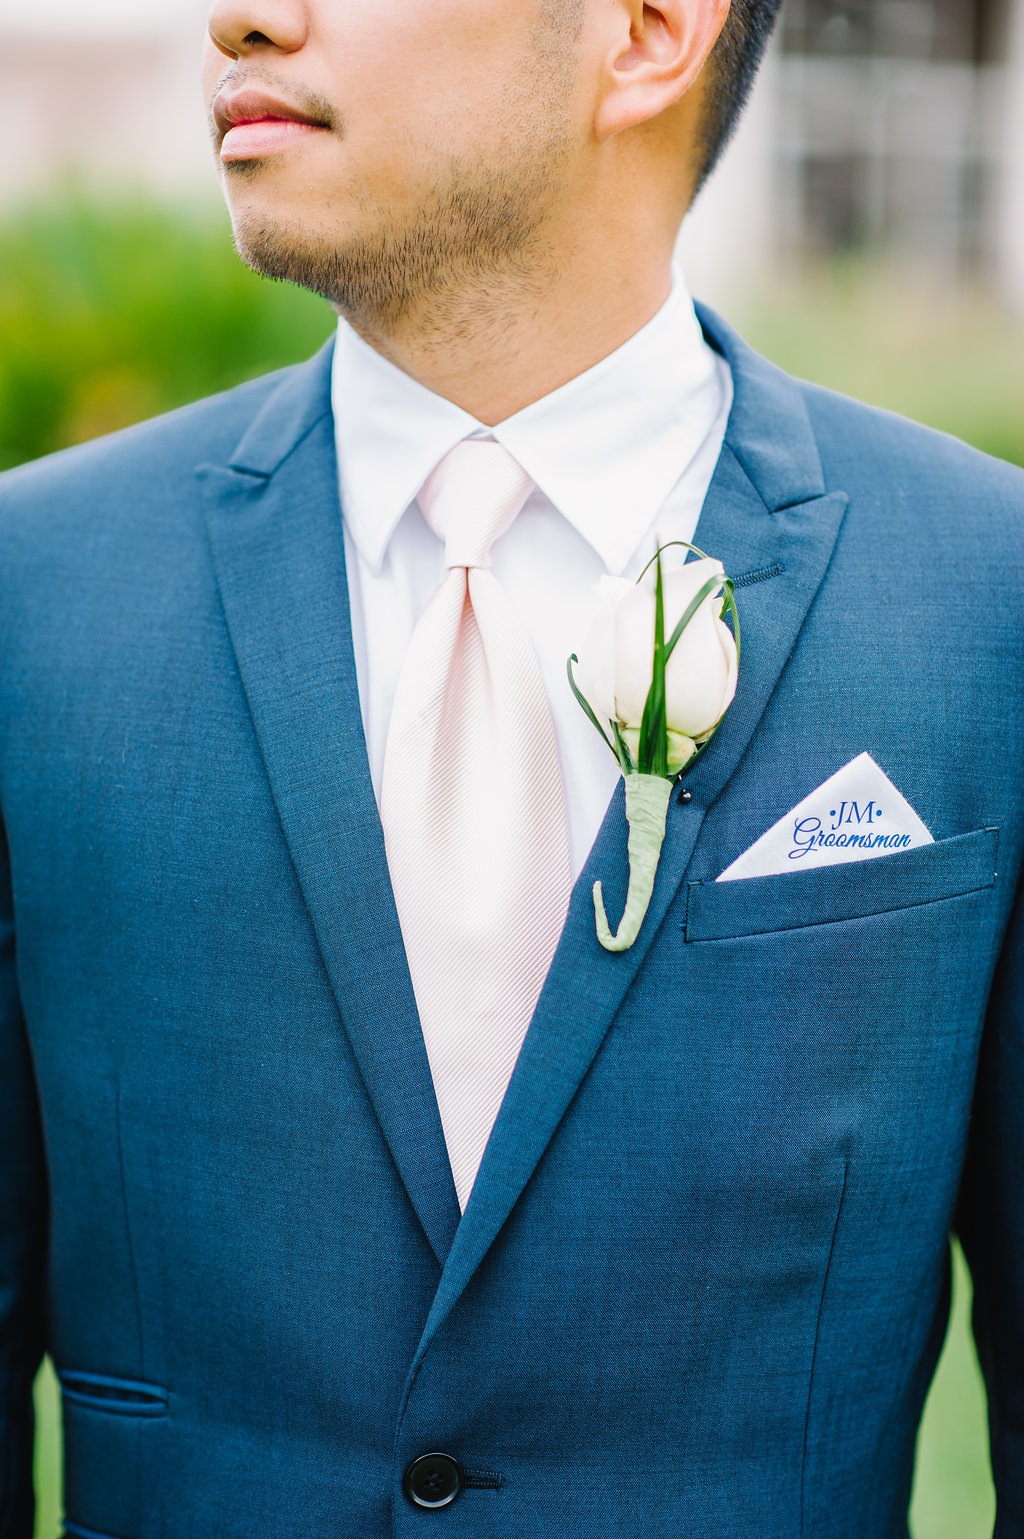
(606, 448)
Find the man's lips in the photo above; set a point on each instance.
(252, 123)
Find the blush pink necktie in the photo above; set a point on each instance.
(473, 808)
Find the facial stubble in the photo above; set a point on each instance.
(475, 235)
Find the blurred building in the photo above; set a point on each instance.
(893, 127)
(122, 106)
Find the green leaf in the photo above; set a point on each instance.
(652, 748)
(729, 603)
(705, 592)
(622, 752)
(653, 751)
(683, 544)
(585, 703)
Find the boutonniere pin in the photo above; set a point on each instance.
(656, 675)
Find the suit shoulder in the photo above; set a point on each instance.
(140, 477)
(865, 447)
(208, 428)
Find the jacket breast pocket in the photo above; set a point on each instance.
(760, 905)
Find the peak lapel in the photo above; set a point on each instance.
(274, 521)
(766, 508)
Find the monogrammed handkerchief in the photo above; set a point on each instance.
(854, 815)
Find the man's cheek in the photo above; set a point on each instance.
(212, 65)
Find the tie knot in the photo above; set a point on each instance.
(471, 498)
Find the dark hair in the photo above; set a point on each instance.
(732, 64)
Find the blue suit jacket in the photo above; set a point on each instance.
(701, 1283)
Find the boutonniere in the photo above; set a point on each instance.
(656, 675)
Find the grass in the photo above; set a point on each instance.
(953, 1496)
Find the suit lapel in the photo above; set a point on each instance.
(766, 512)
(276, 534)
(275, 528)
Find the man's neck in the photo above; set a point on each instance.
(495, 347)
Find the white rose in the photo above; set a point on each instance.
(616, 661)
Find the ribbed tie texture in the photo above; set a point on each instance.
(473, 808)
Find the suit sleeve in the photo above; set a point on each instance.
(22, 1237)
(990, 1222)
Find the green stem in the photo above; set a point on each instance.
(647, 798)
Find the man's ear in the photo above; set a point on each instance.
(654, 59)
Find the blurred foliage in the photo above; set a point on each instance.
(112, 310)
(953, 1495)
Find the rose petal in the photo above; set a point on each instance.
(700, 678)
(695, 677)
(595, 671)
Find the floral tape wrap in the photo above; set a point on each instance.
(647, 798)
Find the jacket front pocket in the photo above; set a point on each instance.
(118, 1397)
(855, 889)
(78, 1531)
(113, 1430)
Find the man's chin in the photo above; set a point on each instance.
(268, 248)
(465, 234)
(284, 250)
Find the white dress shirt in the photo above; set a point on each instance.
(621, 457)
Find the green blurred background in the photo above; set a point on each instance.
(113, 309)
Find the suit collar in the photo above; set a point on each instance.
(769, 432)
(300, 400)
(605, 449)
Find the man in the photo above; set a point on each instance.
(273, 957)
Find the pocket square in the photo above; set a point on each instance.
(857, 814)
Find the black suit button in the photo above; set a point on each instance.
(433, 1480)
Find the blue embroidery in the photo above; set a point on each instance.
(811, 834)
